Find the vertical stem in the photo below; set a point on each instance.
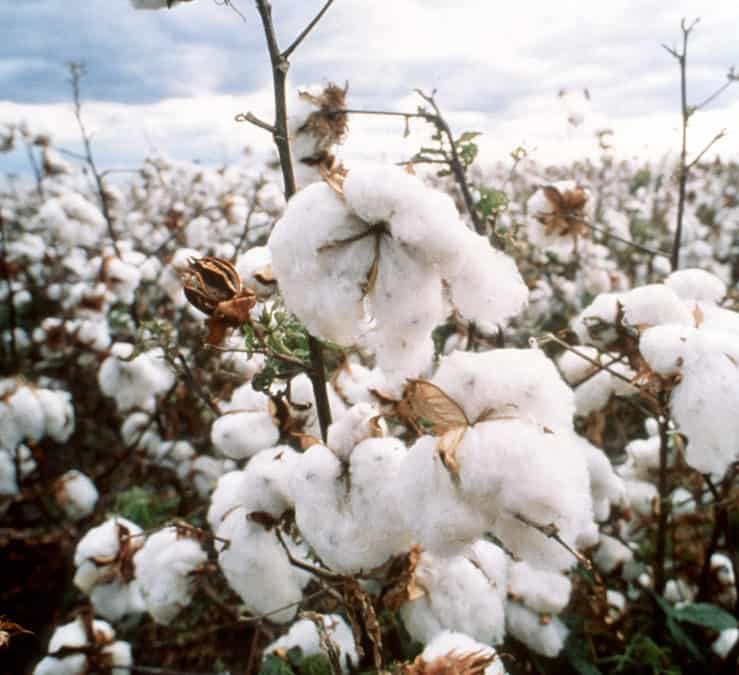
(5, 263)
(280, 66)
(664, 509)
(34, 168)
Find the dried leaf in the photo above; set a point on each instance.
(405, 587)
(305, 440)
(697, 316)
(447, 449)
(453, 663)
(424, 403)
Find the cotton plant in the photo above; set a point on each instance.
(343, 261)
(82, 646)
(76, 494)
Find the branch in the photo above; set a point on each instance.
(664, 510)
(552, 531)
(253, 119)
(76, 72)
(640, 247)
(715, 139)
(280, 67)
(304, 33)
(10, 298)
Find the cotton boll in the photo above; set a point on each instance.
(679, 591)
(11, 433)
(354, 383)
(225, 497)
(205, 472)
(360, 422)
(606, 487)
(265, 482)
(683, 502)
(449, 647)
(522, 383)
(254, 267)
(58, 413)
(697, 285)
(487, 287)
(350, 514)
(641, 496)
(594, 325)
(258, 569)
(303, 404)
(164, 568)
(240, 435)
(8, 482)
(574, 367)
(705, 400)
(27, 412)
(171, 280)
(654, 305)
(117, 599)
(458, 597)
(121, 278)
(543, 636)
(616, 605)
(542, 591)
(105, 542)
(611, 553)
(138, 431)
(304, 634)
(76, 494)
(725, 642)
(446, 524)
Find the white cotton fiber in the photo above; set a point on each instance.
(543, 634)
(540, 590)
(304, 634)
(704, 402)
(697, 285)
(451, 646)
(76, 494)
(164, 569)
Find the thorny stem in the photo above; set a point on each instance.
(280, 66)
(77, 71)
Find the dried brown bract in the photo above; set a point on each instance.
(214, 287)
(454, 663)
(567, 215)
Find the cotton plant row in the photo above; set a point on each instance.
(457, 465)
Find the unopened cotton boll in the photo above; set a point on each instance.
(76, 494)
(449, 647)
(545, 636)
(164, 568)
(304, 634)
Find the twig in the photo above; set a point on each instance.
(280, 67)
(608, 233)
(247, 222)
(599, 369)
(76, 72)
(698, 157)
(34, 167)
(10, 297)
(253, 119)
(304, 33)
(552, 532)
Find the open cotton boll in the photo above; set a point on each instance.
(354, 383)
(654, 305)
(442, 521)
(121, 279)
(360, 422)
(27, 412)
(258, 569)
(697, 285)
(8, 482)
(239, 435)
(171, 280)
(459, 597)
(725, 642)
(164, 568)
(304, 634)
(319, 277)
(265, 483)
(101, 549)
(487, 287)
(205, 472)
(225, 497)
(76, 494)
(74, 635)
(11, 433)
(58, 413)
(351, 515)
(606, 487)
(705, 400)
(518, 469)
(543, 637)
(542, 591)
(255, 267)
(595, 393)
(448, 647)
(594, 324)
(134, 383)
(641, 496)
(521, 383)
(303, 404)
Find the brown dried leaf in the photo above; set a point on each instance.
(447, 449)
(305, 440)
(405, 587)
(697, 316)
(424, 402)
(453, 663)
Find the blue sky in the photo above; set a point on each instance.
(172, 80)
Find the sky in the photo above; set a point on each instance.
(171, 81)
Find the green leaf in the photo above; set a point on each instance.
(578, 657)
(274, 665)
(682, 639)
(705, 614)
(316, 664)
(468, 136)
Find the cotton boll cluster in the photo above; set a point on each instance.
(134, 381)
(164, 571)
(83, 646)
(76, 494)
(304, 635)
(347, 280)
(104, 562)
(72, 219)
